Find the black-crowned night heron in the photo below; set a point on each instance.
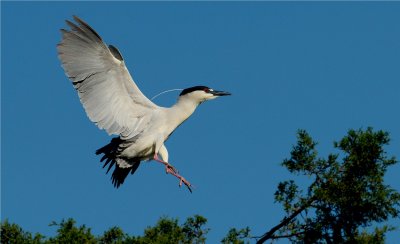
(114, 103)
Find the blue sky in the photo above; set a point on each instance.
(323, 67)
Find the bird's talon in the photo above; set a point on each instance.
(169, 169)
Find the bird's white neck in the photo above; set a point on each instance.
(182, 110)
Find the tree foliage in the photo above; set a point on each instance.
(344, 198)
(169, 231)
(193, 229)
(235, 236)
(67, 232)
(113, 235)
(13, 233)
(166, 230)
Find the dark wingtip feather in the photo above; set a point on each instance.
(71, 24)
(81, 22)
(105, 156)
(119, 175)
(135, 166)
(109, 160)
(64, 31)
(109, 167)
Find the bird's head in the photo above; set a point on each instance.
(202, 93)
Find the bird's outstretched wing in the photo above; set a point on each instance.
(106, 89)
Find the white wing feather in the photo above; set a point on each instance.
(106, 89)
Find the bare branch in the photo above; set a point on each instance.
(288, 236)
(269, 234)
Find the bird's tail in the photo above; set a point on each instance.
(122, 165)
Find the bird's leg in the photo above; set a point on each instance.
(168, 167)
(171, 170)
(182, 180)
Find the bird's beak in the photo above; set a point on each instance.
(220, 93)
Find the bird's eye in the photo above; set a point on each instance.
(206, 90)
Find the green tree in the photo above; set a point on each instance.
(165, 231)
(169, 231)
(68, 233)
(235, 236)
(194, 231)
(13, 233)
(344, 197)
(114, 235)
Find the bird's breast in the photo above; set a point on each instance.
(142, 147)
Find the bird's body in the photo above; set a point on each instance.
(113, 101)
(160, 126)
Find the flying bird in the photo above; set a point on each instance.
(114, 103)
